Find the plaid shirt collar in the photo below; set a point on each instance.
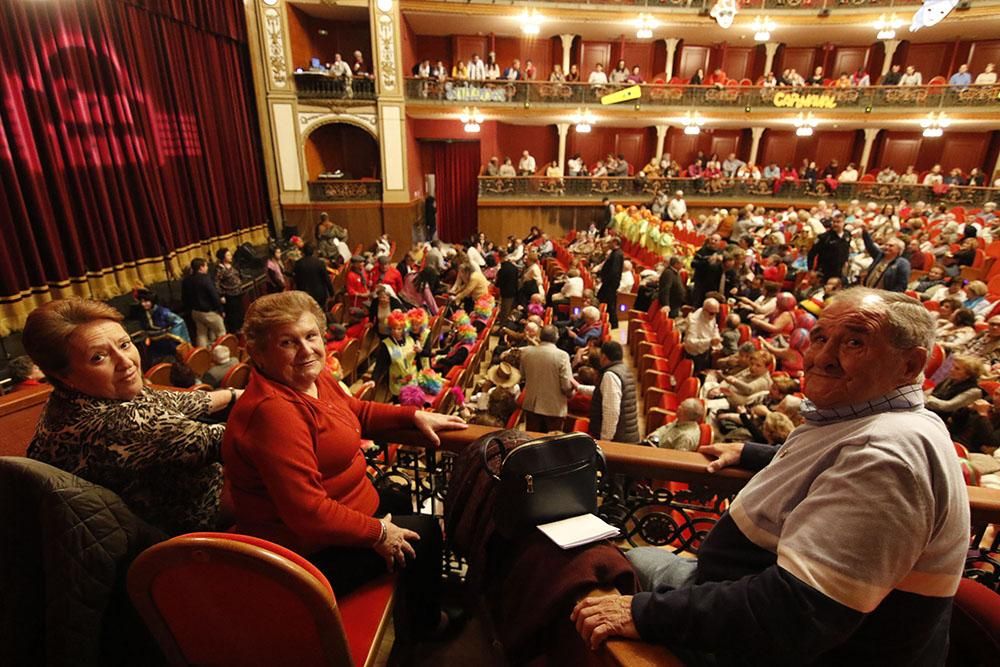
(906, 397)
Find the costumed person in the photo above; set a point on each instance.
(420, 333)
(482, 310)
(397, 355)
(430, 382)
(464, 339)
(166, 329)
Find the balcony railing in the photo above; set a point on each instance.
(698, 5)
(792, 99)
(535, 187)
(326, 86)
(345, 190)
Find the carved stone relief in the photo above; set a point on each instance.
(277, 65)
(386, 52)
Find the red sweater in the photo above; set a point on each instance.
(295, 466)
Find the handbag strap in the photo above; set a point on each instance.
(486, 456)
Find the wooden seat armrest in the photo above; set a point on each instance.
(618, 652)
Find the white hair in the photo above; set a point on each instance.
(910, 324)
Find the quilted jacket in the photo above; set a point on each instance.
(65, 546)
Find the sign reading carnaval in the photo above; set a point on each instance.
(474, 93)
(804, 101)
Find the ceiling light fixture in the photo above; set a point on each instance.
(887, 27)
(934, 124)
(471, 119)
(644, 26)
(531, 22)
(762, 28)
(804, 124)
(692, 123)
(584, 120)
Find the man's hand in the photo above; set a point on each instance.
(726, 453)
(597, 619)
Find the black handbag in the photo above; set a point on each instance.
(544, 480)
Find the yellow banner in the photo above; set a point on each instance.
(804, 100)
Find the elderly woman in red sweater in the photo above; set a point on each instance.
(292, 455)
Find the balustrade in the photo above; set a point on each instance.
(712, 189)
(345, 190)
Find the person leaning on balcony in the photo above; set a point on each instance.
(598, 77)
(476, 69)
(772, 580)
(507, 169)
(557, 75)
(526, 166)
(892, 77)
(912, 77)
(492, 167)
(887, 175)
(860, 78)
(909, 177)
(961, 79)
(988, 76)
(514, 73)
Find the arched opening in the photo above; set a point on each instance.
(345, 148)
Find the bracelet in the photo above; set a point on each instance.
(381, 537)
(232, 397)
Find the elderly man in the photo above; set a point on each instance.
(548, 383)
(685, 433)
(889, 270)
(677, 206)
(849, 546)
(670, 287)
(614, 411)
(702, 333)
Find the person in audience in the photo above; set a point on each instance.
(889, 269)
(514, 73)
(24, 373)
(222, 362)
(557, 76)
(614, 401)
(181, 375)
(960, 333)
(817, 78)
(418, 289)
(746, 386)
(548, 383)
(573, 76)
(470, 286)
(460, 72)
(909, 177)
(384, 302)
(961, 79)
(476, 68)
(988, 76)
(276, 280)
(684, 434)
(598, 77)
(201, 299)
(312, 277)
(635, 77)
(492, 67)
(959, 390)
(619, 75)
(336, 338)
(860, 78)
(698, 78)
(297, 472)
(102, 424)
(396, 358)
(158, 317)
(830, 252)
(849, 175)
(611, 278)
(887, 175)
(463, 341)
(701, 334)
(911, 77)
(671, 288)
(526, 167)
(769, 81)
(892, 77)
(868, 351)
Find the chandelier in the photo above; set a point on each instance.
(804, 124)
(934, 124)
(644, 26)
(584, 119)
(531, 22)
(692, 123)
(887, 27)
(762, 28)
(471, 119)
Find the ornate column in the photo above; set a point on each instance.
(770, 50)
(661, 135)
(756, 133)
(386, 52)
(567, 44)
(672, 43)
(890, 46)
(277, 103)
(563, 130)
(866, 152)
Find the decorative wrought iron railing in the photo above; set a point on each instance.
(654, 496)
(338, 189)
(745, 5)
(535, 187)
(320, 85)
(742, 95)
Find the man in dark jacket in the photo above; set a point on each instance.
(671, 288)
(312, 277)
(611, 278)
(614, 413)
(201, 299)
(506, 280)
(606, 215)
(830, 252)
(707, 264)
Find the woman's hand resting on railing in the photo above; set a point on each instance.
(726, 453)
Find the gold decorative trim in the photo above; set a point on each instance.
(277, 65)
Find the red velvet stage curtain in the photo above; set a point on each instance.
(127, 134)
(456, 171)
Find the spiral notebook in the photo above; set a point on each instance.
(578, 530)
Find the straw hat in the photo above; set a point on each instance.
(503, 375)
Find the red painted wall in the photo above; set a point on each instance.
(691, 59)
(684, 148)
(982, 53)
(847, 59)
(636, 144)
(541, 140)
(955, 149)
(408, 44)
(738, 62)
(341, 146)
(342, 37)
(783, 147)
(802, 59)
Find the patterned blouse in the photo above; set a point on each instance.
(227, 280)
(150, 451)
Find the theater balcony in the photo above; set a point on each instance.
(721, 191)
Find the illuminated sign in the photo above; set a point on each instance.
(804, 101)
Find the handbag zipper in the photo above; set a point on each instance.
(530, 482)
(529, 479)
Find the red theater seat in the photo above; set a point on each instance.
(228, 599)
